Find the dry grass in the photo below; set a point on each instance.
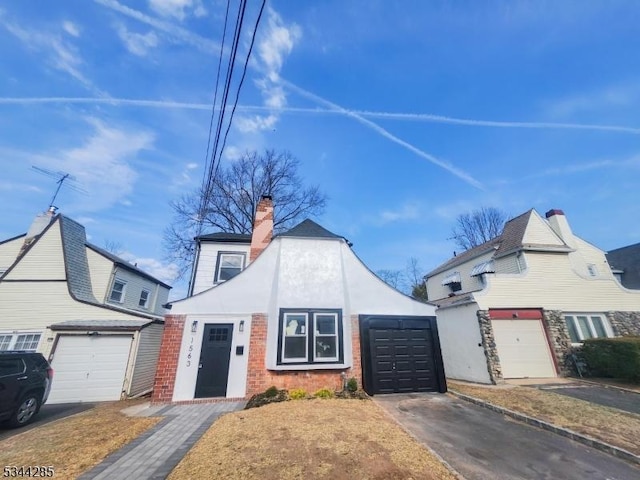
(75, 444)
(607, 424)
(332, 439)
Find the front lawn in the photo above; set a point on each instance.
(309, 439)
(75, 444)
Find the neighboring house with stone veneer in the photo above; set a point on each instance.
(305, 313)
(515, 306)
(97, 318)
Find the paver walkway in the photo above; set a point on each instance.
(155, 453)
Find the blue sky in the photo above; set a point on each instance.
(405, 113)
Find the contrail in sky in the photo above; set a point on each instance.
(414, 117)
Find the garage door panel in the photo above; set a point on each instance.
(89, 368)
(523, 349)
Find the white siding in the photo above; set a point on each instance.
(35, 305)
(9, 252)
(469, 284)
(461, 344)
(539, 232)
(144, 370)
(508, 264)
(45, 260)
(100, 269)
(551, 283)
(207, 261)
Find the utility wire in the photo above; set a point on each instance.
(244, 73)
(201, 211)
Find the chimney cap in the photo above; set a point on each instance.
(267, 196)
(554, 211)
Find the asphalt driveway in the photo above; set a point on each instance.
(482, 444)
(47, 413)
(600, 394)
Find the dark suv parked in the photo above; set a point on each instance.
(25, 381)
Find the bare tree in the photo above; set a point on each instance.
(113, 246)
(479, 226)
(230, 204)
(393, 278)
(415, 277)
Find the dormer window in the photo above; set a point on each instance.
(229, 265)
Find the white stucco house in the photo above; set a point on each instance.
(304, 313)
(516, 305)
(96, 317)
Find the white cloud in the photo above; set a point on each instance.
(256, 123)
(273, 47)
(613, 96)
(409, 211)
(101, 164)
(192, 166)
(71, 28)
(232, 152)
(62, 55)
(172, 32)
(166, 273)
(179, 9)
(137, 43)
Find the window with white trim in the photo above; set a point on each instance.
(310, 336)
(143, 302)
(20, 341)
(229, 265)
(585, 326)
(117, 291)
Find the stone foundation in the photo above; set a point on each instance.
(558, 335)
(490, 349)
(624, 323)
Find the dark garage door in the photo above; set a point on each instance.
(401, 354)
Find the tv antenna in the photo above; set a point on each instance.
(61, 178)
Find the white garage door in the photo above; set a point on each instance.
(89, 368)
(523, 349)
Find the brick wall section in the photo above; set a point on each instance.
(262, 227)
(259, 378)
(168, 360)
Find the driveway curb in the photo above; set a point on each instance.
(446, 464)
(578, 437)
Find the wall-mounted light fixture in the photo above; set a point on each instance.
(194, 326)
(241, 326)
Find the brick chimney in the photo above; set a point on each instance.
(559, 224)
(262, 227)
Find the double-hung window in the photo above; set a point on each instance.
(310, 336)
(144, 299)
(229, 265)
(585, 326)
(117, 291)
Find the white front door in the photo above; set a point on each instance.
(89, 368)
(523, 349)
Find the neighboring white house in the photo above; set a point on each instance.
(98, 318)
(305, 313)
(515, 306)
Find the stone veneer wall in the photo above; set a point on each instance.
(168, 361)
(259, 378)
(624, 323)
(489, 344)
(558, 334)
